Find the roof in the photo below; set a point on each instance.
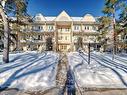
(63, 16)
(50, 18)
(77, 18)
(88, 18)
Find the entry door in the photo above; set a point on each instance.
(63, 47)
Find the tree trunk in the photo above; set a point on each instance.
(6, 36)
(114, 34)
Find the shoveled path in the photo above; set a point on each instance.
(61, 87)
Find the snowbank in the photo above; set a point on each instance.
(30, 71)
(100, 73)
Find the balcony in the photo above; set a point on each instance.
(39, 41)
(32, 30)
(64, 30)
(32, 41)
(25, 30)
(37, 30)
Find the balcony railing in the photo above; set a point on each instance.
(32, 41)
(36, 30)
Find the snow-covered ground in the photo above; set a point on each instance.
(30, 71)
(102, 72)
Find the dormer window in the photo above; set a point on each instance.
(38, 19)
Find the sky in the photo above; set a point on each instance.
(72, 7)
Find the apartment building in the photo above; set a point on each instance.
(63, 30)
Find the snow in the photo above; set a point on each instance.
(102, 72)
(77, 18)
(30, 71)
(50, 18)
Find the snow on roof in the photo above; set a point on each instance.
(13, 18)
(88, 18)
(76, 18)
(73, 18)
(39, 17)
(50, 18)
(63, 16)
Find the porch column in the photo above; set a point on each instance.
(82, 34)
(72, 42)
(56, 38)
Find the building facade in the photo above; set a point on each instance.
(63, 30)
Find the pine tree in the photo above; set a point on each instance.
(49, 44)
(110, 9)
(18, 8)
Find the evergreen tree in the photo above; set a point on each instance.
(79, 43)
(49, 44)
(110, 9)
(16, 7)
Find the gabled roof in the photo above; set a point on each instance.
(88, 18)
(39, 17)
(63, 16)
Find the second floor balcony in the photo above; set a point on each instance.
(36, 30)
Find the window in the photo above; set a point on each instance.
(39, 37)
(50, 27)
(66, 37)
(37, 18)
(61, 29)
(62, 47)
(67, 29)
(37, 28)
(64, 29)
(65, 47)
(87, 27)
(60, 37)
(76, 27)
(40, 28)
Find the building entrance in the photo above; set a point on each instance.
(64, 48)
